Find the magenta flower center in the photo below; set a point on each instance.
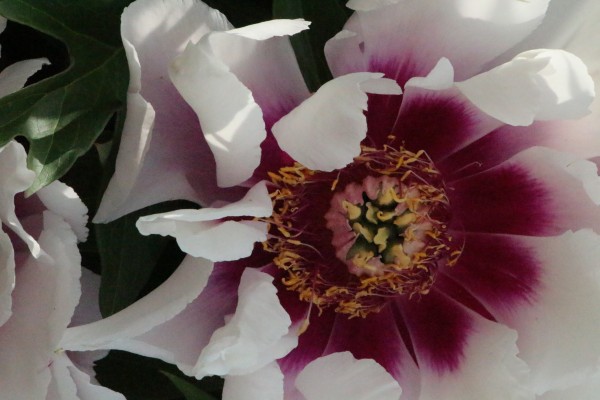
(353, 239)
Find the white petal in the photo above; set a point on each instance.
(268, 29)
(61, 385)
(63, 201)
(231, 120)
(154, 161)
(558, 332)
(489, 368)
(343, 53)
(120, 330)
(264, 384)
(368, 5)
(201, 234)
(441, 77)
(13, 77)
(407, 38)
(339, 376)
(325, 131)
(86, 390)
(43, 302)
(537, 84)
(588, 389)
(15, 178)
(256, 334)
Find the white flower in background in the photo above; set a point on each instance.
(438, 241)
(40, 289)
(13, 77)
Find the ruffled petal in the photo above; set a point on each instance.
(162, 155)
(535, 85)
(340, 376)
(201, 234)
(13, 77)
(246, 343)
(206, 75)
(406, 38)
(122, 330)
(64, 202)
(325, 131)
(263, 384)
(261, 57)
(16, 178)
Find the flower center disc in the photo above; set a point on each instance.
(381, 232)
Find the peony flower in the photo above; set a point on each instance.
(40, 288)
(423, 226)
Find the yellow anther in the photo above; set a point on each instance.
(352, 210)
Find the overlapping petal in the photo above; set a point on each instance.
(203, 233)
(325, 131)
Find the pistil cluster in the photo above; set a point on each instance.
(382, 234)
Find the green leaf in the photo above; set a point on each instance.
(136, 377)
(328, 18)
(62, 116)
(189, 390)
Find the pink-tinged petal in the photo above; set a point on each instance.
(13, 77)
(261, 57)
(439, 121)
(463, 356)
(219, 83)
(537, 192)
(7, 276)
(340, 376)
(246, 343)
(200, 233)
(407, 38)
(15, 179)
(535, 85)
(264, 384)
(194, 325)
(380, 337)
(163, 155)
(231, 120)
(45, 292)
(325, 131)
(498, 270)
(564, 309)
(121, 330)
